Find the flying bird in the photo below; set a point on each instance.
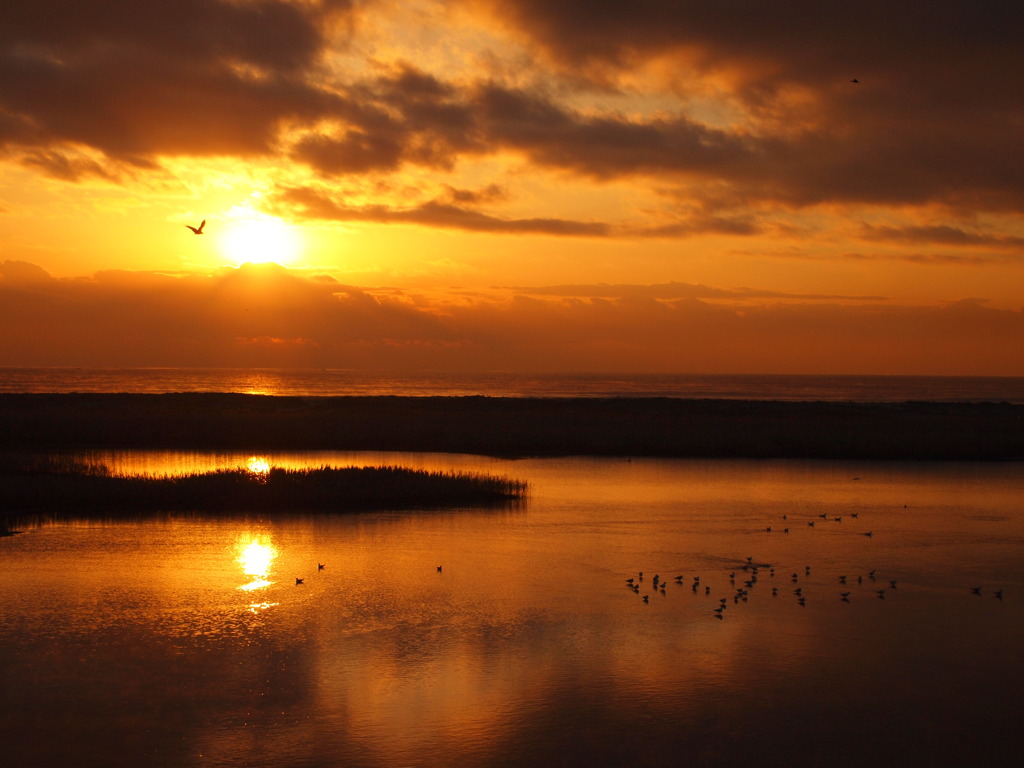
(197, 230)
(855, 80)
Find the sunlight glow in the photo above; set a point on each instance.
(259, 239)
(258, 465)
(257, 607)
(256, 556)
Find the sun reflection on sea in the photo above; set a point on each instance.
(256, 555)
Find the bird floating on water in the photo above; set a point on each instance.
(298, 580)
(197, 230)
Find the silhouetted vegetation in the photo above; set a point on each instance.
(516, 426)
(55, 486)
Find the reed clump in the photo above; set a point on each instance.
(56, 488)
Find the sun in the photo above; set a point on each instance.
(259, 240)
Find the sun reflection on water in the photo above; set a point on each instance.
(258, 467)
(256, 555)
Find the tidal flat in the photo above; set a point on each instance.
(654, 427)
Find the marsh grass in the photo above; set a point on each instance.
(55, 485)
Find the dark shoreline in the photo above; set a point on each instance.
(43, 487)
(664, 427)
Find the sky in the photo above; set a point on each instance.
(473, 185)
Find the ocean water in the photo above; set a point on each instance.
(180, 641)
(344, 382)
(510, 637)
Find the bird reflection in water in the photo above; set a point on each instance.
(256, 554)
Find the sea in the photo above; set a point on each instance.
(628, 613)
(342, 382)
(645, 613)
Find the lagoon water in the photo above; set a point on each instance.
(185, 641)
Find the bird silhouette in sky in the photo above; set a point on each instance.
(197, 230)
(855, 80)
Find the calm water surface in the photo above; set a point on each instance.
(303, 382)
(185, 641)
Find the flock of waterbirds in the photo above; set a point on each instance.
(748, 575)
(751, 572)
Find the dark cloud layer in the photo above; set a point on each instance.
(942, 234)
(436, 213)
(134, 80)
(935, 118)
(676, 290)
(265, 315)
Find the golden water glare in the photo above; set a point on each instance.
(259, 466)
(256, 555)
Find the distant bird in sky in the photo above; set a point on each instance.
(855, 80)
(197, 230)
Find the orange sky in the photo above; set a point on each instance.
(661, 186)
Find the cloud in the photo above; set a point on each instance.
(312, 203)
(941, 234)
(13, 273)
(742, 104)
(772, 46)
(133, 80)
(908, 132)
(67, 165)
(269, 33)
(675, 290)
(266, 315)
